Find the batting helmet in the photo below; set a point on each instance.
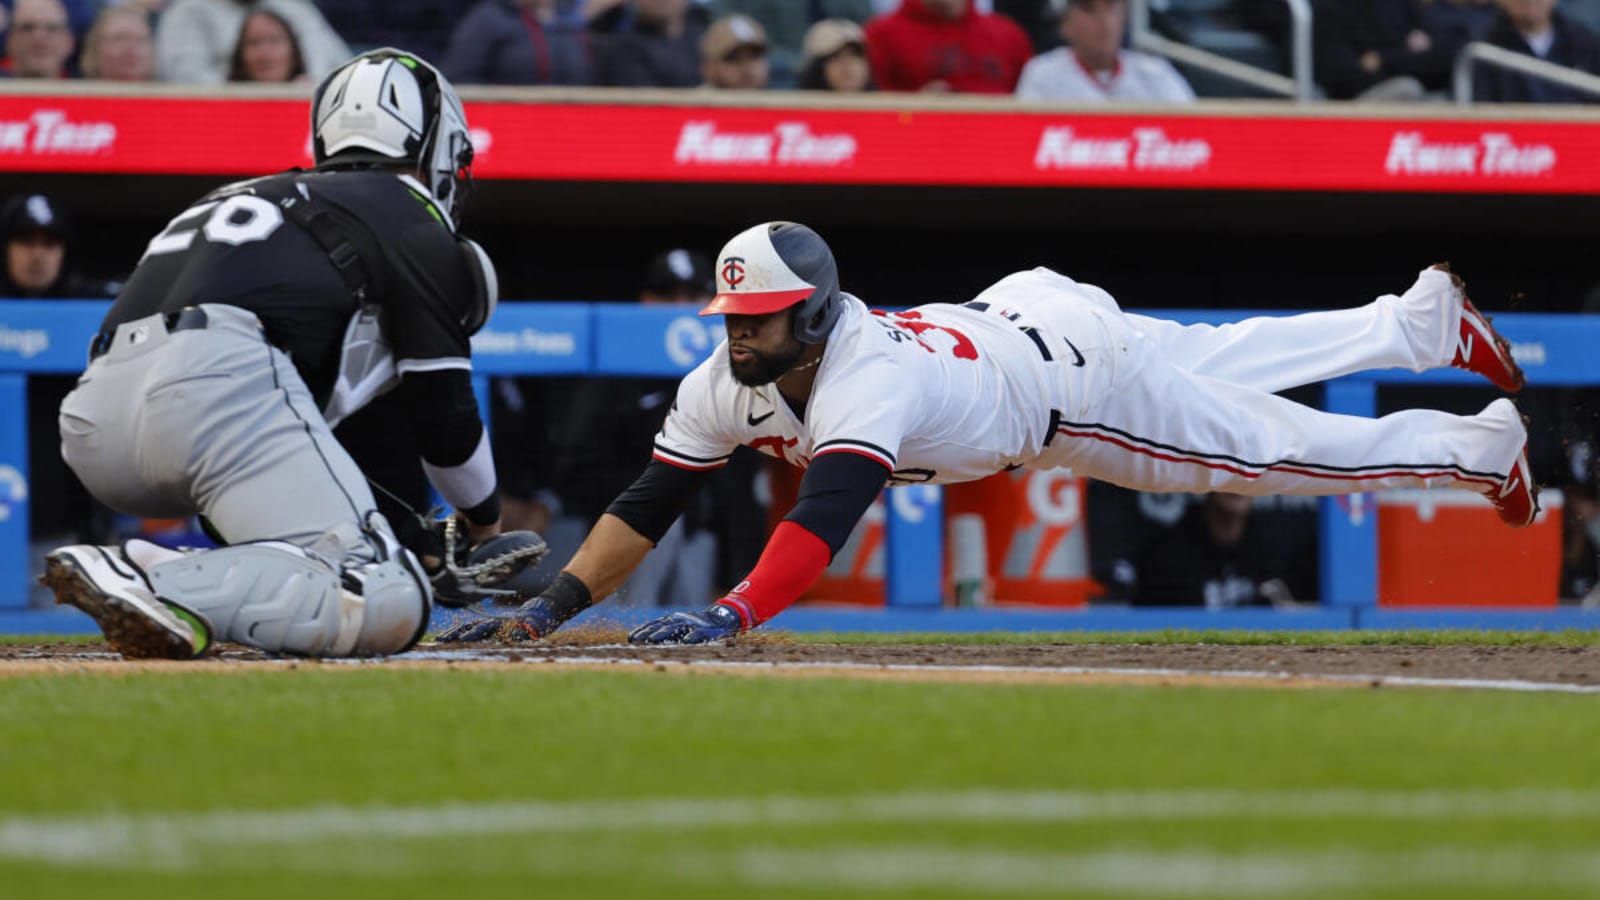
(775, 266)
(388, 106)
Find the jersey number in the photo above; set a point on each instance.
(237, 220)
(911, 327)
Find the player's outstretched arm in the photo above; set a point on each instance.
(836, 491)
(608, 556)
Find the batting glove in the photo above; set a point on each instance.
(531, 621)
(715, 623)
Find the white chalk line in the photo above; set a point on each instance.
(1491, 684)
(916, 869)
(182, 840)
(1170, 873)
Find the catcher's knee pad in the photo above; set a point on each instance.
(395, 605)
(278, 597)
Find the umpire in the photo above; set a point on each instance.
(257, 319)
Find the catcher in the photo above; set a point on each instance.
(256, 320)
(1037, 371)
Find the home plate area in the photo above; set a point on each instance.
(1558, 669)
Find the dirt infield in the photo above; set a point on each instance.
(1033, 663)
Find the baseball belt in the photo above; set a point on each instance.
(190, 318)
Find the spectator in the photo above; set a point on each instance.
(267, 51)
(415, 26)
(195, 38)
(946, 45)
(120, 46)
(836, 58)
(1093, 67)
(518, 42)
(787, 21)
(733, 54)
(1378, 50)
(1538, 29)
(40, 41)
(660, 48)
(38, 244)
(1216, 557)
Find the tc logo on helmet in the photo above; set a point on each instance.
(733, 270)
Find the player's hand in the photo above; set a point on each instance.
(715, 623)
(532, 621)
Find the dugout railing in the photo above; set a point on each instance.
(576, 339)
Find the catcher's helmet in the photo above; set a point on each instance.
(388, 106)
(775, 266)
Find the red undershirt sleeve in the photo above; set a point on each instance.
(793, 560)
(837, 489)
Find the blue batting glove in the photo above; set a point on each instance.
(532, 620)
(715, 623)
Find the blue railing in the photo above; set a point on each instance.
(623, 339)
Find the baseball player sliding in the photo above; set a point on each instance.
(256, 320)
(1037, 371)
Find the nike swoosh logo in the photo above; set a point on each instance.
(757, 420)
(1077, 358)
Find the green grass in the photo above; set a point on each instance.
(1421, 638)
(159, 747)
(16, 639)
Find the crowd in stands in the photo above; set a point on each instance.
(1040, 50)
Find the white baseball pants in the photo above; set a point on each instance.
(1192, 408)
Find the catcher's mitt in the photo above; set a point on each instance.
(469, 573)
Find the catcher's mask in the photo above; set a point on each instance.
(387, 106)
(774, 266)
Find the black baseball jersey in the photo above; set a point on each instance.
(237, 246)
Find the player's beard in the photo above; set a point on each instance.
(765, 368)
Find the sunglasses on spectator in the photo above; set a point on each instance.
(46, 27)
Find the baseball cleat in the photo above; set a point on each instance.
(1479, 348)
(116, 595)
(1517, 497)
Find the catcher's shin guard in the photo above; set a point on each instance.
(281, 598)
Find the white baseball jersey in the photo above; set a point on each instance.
(940, 393)
(1138, 77)
(1043, 372)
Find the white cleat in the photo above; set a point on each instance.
(103, 583)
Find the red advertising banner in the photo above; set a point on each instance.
(1002, 148)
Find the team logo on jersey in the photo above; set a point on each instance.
(1076, 353)
(733, 271)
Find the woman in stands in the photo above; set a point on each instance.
(267, 51)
